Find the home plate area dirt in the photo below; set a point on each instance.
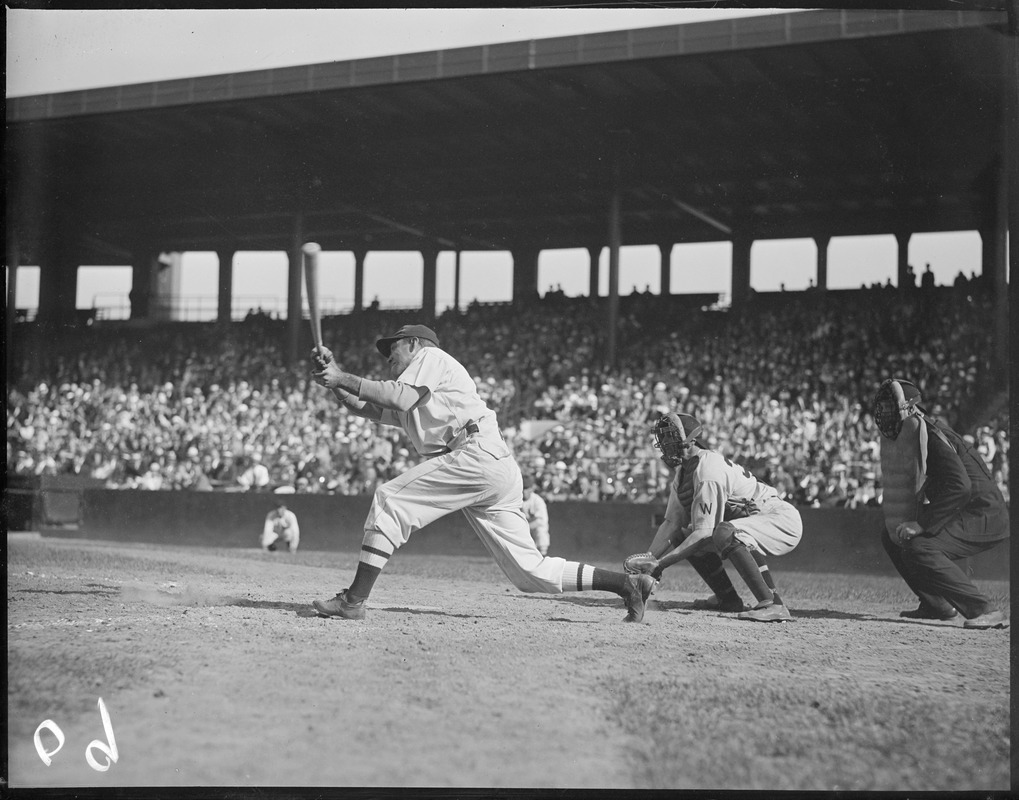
(172, 666)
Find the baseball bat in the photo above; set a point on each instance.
(310, 252)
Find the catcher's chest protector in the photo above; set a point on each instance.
(684, 482)
(901, 476)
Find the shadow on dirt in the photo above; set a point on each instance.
(573, 599)
(301, 609)
(430, 611)
(306, 609)
(685, 606)
(827, 613)
(99, 590)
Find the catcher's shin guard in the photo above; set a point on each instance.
(739, 555)
(712, 571)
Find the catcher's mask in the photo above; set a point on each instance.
(895, 400)
(674, 436)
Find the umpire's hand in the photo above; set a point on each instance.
(907, 531)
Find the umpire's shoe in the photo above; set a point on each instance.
(638, 590)
(992, 619)
(340, 606)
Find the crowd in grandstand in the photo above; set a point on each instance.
(783, 386)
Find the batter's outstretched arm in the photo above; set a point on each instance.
(391, 395)
(358, 407)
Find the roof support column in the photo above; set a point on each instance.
(594, 253)
(359, 256)
(665, 249)
(525, 275)
(1008, 194)
(431, 257)
(144, 271)
(224, 312)
(13, 261)
(905, 281)
(1008, 199)
(58, 277)
(822, 261)
(294, 304)
(456, 282)
(994, 253)
(741, 269)
(615, 240)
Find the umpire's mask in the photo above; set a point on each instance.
(895, 400)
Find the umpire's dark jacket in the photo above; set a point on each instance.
(963, 499)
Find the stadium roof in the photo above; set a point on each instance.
(779, 126)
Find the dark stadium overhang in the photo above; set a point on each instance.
(801, 124)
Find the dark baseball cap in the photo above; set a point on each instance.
(407, 331)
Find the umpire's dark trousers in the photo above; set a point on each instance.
(928, 565)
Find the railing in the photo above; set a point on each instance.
(205, 308)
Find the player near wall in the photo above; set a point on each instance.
(280, 528)
(536, 512)
(468, 468)
(718, 510)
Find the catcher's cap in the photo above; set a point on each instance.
(685, 427)
(407, 331)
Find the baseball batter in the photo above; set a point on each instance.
(468, 468)
(716, 510)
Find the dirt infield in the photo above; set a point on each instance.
(214, 671)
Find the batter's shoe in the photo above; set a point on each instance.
(339, 606)
(714, 604)
(767, 611)
(638, 590)
(992, 619)
(924, 611)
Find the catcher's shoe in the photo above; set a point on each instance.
(924, 611)
(714, 604)
(638, 589)
(339, 606)
(767, 611)
(992, 619)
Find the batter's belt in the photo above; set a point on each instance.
(465, 433)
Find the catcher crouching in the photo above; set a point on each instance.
(718, 510)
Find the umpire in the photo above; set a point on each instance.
(941, 505)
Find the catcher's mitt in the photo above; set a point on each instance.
(640, 563)
(739, 507)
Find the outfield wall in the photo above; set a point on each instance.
(834, 540)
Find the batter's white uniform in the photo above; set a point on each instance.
(281, 523)
(470, 472)
(536, 512)
(701, 495)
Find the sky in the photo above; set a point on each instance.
(65, 50)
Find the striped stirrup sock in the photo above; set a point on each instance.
(578, 577)
(375, 552)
